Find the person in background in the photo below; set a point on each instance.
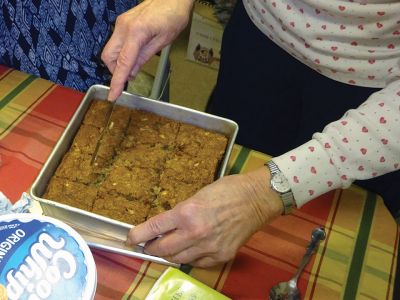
(314, 83)
(59, 41)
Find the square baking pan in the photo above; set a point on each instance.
(99, 231)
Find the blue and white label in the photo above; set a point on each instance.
(41, 260)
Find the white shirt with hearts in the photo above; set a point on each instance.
(355, 42)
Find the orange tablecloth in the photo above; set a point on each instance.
(358, 259)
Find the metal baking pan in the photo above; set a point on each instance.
(102, 232)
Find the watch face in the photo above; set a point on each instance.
(280, 183)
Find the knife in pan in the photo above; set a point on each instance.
(106, 128)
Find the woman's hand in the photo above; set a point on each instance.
(208, 228)
(139, 34)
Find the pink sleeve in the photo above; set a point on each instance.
(363, 144)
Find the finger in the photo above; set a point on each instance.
(145, 54)
(135, 71)
(109, 56)
(205, 262)
(152, 48)
(124, 65)
(169, 244)
(111, 50)
(152, 228)
(186, 256)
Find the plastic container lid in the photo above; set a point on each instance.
(43, 258)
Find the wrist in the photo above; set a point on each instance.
(280, 184)
(267, 201)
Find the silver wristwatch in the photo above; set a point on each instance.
(280, 184)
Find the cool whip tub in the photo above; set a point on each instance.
(43, 258)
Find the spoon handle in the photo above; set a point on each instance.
(317, 235)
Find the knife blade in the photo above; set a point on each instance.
(106, 128)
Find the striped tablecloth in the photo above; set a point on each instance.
(358, 259)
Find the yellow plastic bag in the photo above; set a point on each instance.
(176, 285)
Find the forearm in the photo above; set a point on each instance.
(361, 145)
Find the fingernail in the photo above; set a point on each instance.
(109, 96)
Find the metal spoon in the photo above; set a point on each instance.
(288, 290)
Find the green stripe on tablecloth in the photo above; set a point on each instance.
(343, 259)
(16, 91)
(240, 160)
(377, 273)
(360, 248)
(336, 256)
(236, 168)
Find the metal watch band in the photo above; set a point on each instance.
(286, 197)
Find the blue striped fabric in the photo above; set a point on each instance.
(59, 40)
